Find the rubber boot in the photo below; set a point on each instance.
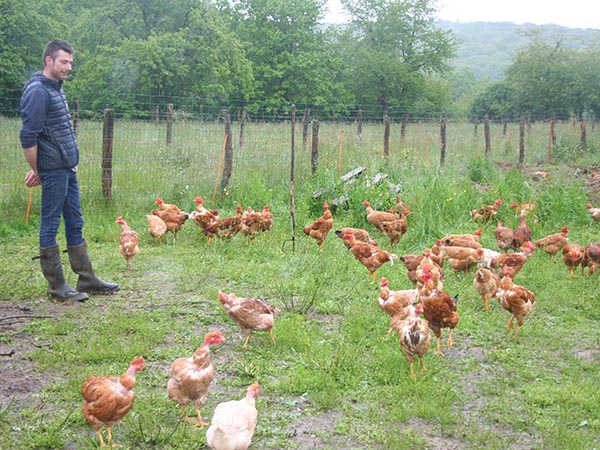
(82, 266)
(53, 271)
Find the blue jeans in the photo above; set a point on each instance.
(60, 197)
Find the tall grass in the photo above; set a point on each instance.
(335, 379)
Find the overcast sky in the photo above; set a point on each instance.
(568, 13)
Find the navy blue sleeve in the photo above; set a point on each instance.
(33, 113)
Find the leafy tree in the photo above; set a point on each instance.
(392, 47)
(496, 101)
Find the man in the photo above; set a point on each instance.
(50, 147)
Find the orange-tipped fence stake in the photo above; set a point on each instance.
(29, 205)
(220, 167)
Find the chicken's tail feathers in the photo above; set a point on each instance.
(455, 298)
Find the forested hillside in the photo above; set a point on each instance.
(488, 48)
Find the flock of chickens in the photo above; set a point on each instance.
(494, 275)
(414, 313)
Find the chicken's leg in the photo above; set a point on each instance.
(99, 433)
(423, 368)
(247, 340)
(439, 347)
(272, 336)
(487, 303)
(200, 422)
(109, 437)
(449, 341)
(412, 370)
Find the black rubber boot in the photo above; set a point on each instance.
(82, 266)
(53, 271)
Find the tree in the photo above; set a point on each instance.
(392, 47)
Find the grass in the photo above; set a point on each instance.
(335, 379)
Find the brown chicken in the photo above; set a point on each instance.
(369, 255)
(504, 237)
(207, 219)
(553, 243)
(486, 284)
(395, 229)
(395, 303)
(128, 242)
(230, 226)
(319, 229)
(191, 376)
(358, 233)
(594, 212)
(523, 209)
(251, 314)
(517, 300)
(156, 227)
(166, 206)
(486, 212)
(462, 259)
(415, 337)
(399, 207)
(427, 264)
(521, 234)
(572, 256)
(233, 422)
(440, 310)
(377, 218)
(591, 257)
(461, 240)
(252, 223)
(106, 399)
(514, 262)
(173, 220)
(267, 219)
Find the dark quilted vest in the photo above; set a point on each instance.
(57, 146)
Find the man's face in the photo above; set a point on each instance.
(59, 68)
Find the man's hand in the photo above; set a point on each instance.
(31, 179)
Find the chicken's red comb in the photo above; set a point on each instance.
(159, 200)
(383, 282)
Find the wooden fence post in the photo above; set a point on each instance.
(169, 123)
(292, 187)
(486, 134)
(476, 122)
(108, 133)
(583, 128)
(228, 166)
(522, 140)
(243, 126)
(403, 127)
(386, 137)
(314, 154)
(504, 125)
(443, 140)
(156, 114)
(305, 122)
(75, 115)
(359, 125)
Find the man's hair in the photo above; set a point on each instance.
(54, 46)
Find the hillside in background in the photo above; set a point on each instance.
(487, 48)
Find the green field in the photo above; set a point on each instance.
(334, 380)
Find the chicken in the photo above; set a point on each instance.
(427, 264)
(486, 212)
(521, 234)
(251, 314)
(572, 256)
(594, 212)
(415, 338)
(267, 219)
(319, 229)
(106, 399)
(462, 240)
(486, 284)
(377, 218)
(173, 220)
(523, 209)
(553, 243)
(488, 258)
(369, 255)
(395, 303)
(252, 223)
(156, 227)
(128, 242)
(395, 229)
(358, 233)
(513, 261)
(191, 376)
(461, 259)
(517, 300)
(166, 206)
(439, 310)
(504, 237)
(207, 219)
(230, 226)
(233, 422)
(591, 257)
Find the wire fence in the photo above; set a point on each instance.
(184, 158)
